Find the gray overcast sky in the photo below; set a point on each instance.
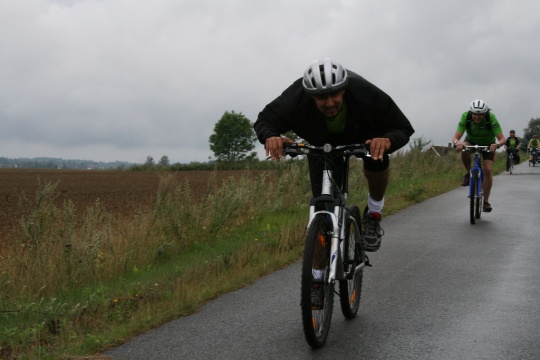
(110, 80)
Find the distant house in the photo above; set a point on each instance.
(440, 150)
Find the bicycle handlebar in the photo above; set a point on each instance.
(471, 148)
(358, 150)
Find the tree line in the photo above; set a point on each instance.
(232, 143)
(234, 138)
(57, 163)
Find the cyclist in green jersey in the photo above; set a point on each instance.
(482, 128)
(534, 142)
(512, 146)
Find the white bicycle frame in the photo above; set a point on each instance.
(338, 233)
(337, 252)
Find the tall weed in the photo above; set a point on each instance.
(73, 282)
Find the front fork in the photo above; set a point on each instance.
(336, 246)
(479, 185)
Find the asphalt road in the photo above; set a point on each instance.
(439, 288)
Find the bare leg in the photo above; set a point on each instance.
(466, 160)
(488, 179)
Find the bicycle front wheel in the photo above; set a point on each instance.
(472, 195)
(511, 164)
(317, 295)
(350, 289)
(479, 203)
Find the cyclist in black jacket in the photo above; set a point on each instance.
(331, 104)
(512, 146)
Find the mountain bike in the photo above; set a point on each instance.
(476, 178)
(334, 249)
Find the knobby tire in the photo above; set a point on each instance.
(473, 190)
(479, 195)
(317, 321)
(350, 289)
(479, 202)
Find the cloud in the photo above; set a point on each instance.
(122, 80)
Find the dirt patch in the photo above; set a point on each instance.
(120, 192)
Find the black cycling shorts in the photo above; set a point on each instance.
(377, 165)
(316, 167)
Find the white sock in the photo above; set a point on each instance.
(375, 206)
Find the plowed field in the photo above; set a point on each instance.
(120, 192)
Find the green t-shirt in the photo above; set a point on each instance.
(478, 134)
(336, 125)
(534, 143)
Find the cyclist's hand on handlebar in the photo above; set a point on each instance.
(377, 147)
(459, 146)
(274, 146)
(493, 147)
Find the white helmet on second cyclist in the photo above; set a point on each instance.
(478, 107)
(324, 76)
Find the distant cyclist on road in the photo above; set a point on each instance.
(482, 128)
(533, 145)
(331, 104)
(512, 146)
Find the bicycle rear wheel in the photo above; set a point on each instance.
(317, 295)
(472, 195)
(350, 290)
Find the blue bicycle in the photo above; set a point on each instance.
(476, 178)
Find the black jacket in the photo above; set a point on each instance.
(370, 113)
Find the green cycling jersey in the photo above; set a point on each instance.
(480, 134)
(512, 143)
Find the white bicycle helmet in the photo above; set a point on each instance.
(478, 107)
(324, 76)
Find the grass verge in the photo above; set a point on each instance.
(74, 288)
